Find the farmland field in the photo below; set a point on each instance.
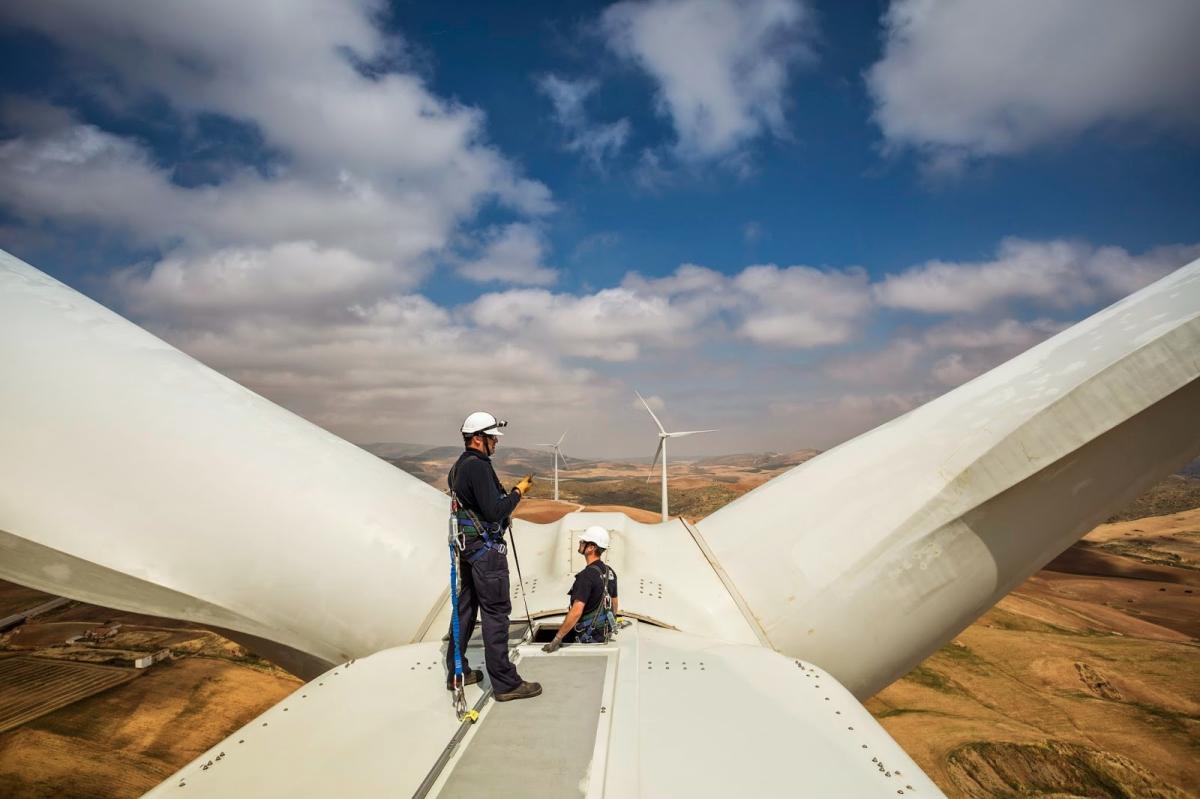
(31, 687)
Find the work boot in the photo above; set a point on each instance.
(469, 678)
(526, 690)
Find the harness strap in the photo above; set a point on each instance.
(460, 698)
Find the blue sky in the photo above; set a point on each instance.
(790, 220)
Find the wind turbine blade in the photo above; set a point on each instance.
(1021, 509)
(563, 455)
(688, 433)
(653, 463)
(560, 439)
(661, 429)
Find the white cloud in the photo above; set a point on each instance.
(799, 306)
(697, 291)
(82, 176)
(291, 276)
(891, 366)
(292, 72)
(952, 370)
(598, 142)
(1054, 274)
(511, 254)
(610, 325)
(942, 356)
(795, 306)
(369, 162)
(830, 421)
(721, 67)
(401, 368)
(979, 78)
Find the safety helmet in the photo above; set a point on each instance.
(483, 422)
(596, 535)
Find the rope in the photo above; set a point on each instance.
(521, 580)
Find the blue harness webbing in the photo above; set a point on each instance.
(458, 667)
(491, 535)
(605, 609)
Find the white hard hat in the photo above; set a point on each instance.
(596, 535)
(483, 422)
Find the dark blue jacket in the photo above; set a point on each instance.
(474, 482)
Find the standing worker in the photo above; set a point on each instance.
(590, 618)
(484, 509)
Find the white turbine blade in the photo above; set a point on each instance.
(661, 429)
(654, 462)
(560, 439)
(562, 455)
(689, 433)
(926, 522)
(128, 426)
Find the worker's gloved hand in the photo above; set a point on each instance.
(552, 646)
(525, 484)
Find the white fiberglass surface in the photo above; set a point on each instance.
(680, 715)
(122, 453)
(662, 575)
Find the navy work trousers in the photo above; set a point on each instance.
(484, 589)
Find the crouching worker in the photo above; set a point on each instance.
(591, 617)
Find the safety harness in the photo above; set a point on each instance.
(585, 629)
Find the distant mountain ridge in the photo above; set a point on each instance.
(512, 458)
(431, 463)
(760, 460)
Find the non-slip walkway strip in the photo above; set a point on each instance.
(536, 748)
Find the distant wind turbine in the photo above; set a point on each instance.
(557, 447)
(663, 435)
